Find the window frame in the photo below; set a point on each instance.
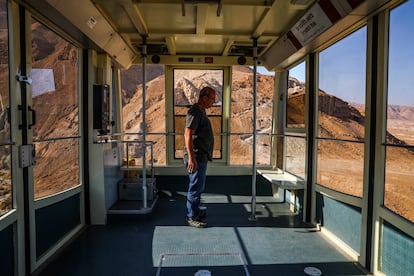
(320, 187)
(76, 188)
(169, 111)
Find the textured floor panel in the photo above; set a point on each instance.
(266, 245)
(187, 240)
(259, 245)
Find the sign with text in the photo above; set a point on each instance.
(312, 24)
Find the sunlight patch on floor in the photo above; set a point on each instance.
(258, 245)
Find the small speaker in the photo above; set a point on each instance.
(155, 59)
(241, 60)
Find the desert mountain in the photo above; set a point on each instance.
(337, 118)
(188, 85)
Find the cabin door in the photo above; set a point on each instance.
(50, 154)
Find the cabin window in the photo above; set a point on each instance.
(296, 97)
(131, 84)
(6, 188)
(399, 136)
(341, 114)
(187, 85)
(295, 137)
(241, 116)
(55, 74)
(296, 155)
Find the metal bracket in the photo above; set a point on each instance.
(27, 155)
(25, 79)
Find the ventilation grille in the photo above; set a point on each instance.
(243, 50)
(153, 49)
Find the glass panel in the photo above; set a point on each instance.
(341, 99)
(131, 85)
(241, 120)
(57, 166)
(400, 115)
(55, 100)
(241, 149)
(159, 152)
(399, 166)
(399, 181)
(296, 155)
(179, 123)
(6, 203)
(134, 151)
(264, 115)
(341, 106)
(187, 85)
(4, 75)
(341, 166)
(295, 106)
(263, 149)
(55, 84)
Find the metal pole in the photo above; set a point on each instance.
(144, 144)
(253, 207)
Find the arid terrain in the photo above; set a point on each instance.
(241, 109)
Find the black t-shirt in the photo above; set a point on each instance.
(203, 139)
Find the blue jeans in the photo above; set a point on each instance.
(195, 189)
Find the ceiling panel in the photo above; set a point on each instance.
(192, 44)
(192, 27)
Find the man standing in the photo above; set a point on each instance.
(198, 150)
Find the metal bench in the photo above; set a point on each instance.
(285, 181)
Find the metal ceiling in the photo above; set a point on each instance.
(201, 27)
(173, 28)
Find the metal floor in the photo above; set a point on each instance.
(276, 243)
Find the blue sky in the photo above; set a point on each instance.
(263, 70)
(343, 64)
(342, 67)
(401, 80)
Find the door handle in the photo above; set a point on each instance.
(30, 109)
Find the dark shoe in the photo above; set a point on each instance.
(196, 223)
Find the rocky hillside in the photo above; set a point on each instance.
(337, 118)
(188, 86)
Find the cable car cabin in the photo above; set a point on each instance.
(313, 158)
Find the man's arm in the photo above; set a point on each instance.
(188, 140)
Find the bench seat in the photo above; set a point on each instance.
(283, 180)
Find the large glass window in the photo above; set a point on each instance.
(131, 84)
(241, 117)
(296, 155)
(5, 139)
(399, 167)
(341, 114)
(294, 137)
(187, 85)
(296, 96)
(55, 101)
